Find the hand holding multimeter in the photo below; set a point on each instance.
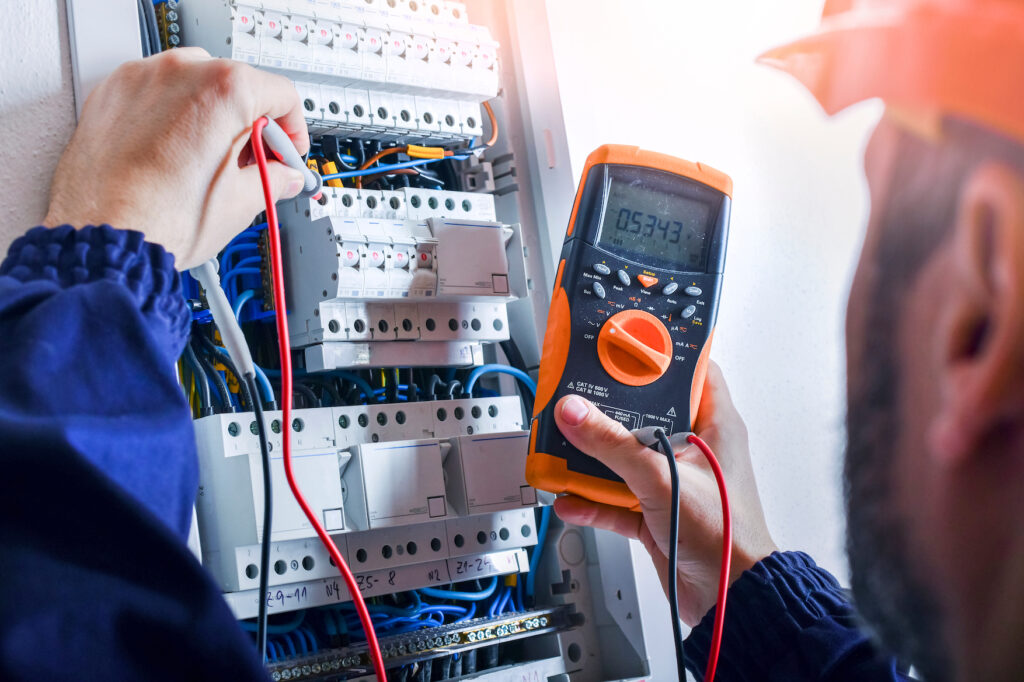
(630, 327)
(633, 310)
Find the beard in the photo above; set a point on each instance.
(896, 604)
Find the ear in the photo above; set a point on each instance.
(984, 337)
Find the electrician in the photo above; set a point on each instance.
(934, 472)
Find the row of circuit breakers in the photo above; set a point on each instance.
(415, 494)
(383, 69)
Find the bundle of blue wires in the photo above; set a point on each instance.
(478, 372)
(300, 635)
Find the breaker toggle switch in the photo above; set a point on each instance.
(396, 44)
(272, 26)
(245, 22)
(348, 37)
(296, 30)
(322, 34)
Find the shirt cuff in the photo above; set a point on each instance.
(774, 613)
(69, 257)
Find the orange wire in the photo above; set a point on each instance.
(377, 157)
(494, 125)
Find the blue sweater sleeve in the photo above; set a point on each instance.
(787, 620)
(100, 470)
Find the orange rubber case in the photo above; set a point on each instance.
(551, 473)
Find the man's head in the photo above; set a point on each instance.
(935, 325)
(935, 334)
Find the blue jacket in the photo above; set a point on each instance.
(99, 475)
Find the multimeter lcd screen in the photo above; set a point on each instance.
(649, 223)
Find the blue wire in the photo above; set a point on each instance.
(388, 168)
(314, 646)
(469, 615)
(250, 260)
(493, 609)
(461, 596)
(506, 596)
(278, 649)
(291, 645)
(241, 300)
(233, 248)
(499, 369)
(271, 652)
(300, 637)
(542, 533)
(235, 272)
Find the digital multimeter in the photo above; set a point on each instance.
(633, 310)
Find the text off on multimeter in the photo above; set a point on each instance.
(633, 310)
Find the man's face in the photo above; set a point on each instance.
(891, 391)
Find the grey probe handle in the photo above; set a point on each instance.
(646, 437)
(281, 144)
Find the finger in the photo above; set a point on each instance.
(608, 441)
(285, 182)
(581, 512)
(277, 98)
(715, 400)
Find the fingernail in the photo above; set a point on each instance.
(574, 411)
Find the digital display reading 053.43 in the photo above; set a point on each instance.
(641, 223)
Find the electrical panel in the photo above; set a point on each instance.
(407, 282)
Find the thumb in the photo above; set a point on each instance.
(285, 182)
(608, 441)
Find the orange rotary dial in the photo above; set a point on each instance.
(634, 347)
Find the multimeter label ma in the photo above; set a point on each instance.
(634, 308)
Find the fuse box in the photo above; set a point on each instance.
(402, 283)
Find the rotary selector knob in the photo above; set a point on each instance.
(634, 347)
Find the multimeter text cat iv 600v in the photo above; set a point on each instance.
(633, 310)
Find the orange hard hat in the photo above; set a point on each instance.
(928, 58)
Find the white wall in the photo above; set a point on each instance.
(37, 111)
(678, 77)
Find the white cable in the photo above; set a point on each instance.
(224, 317)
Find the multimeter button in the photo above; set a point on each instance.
(647, 280)
(602, 269)
(670, 288)
(598, 289)
(692, 291)
(688, 311)
(623, 277)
